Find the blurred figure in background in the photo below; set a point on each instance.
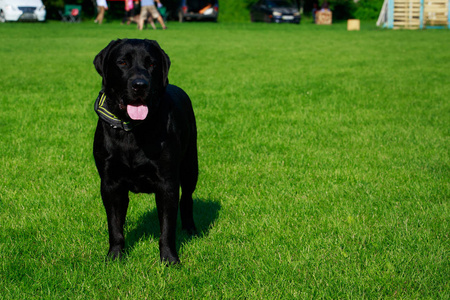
(129, 11)
(148, 9)
(314, 11)
(101, 7)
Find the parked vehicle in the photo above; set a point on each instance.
(198, 10)
(275, 11)
(22, 10)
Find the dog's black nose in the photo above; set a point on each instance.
(139, 84)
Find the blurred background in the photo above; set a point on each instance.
(229, 10)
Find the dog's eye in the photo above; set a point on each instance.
(149, 63)
(122, 63)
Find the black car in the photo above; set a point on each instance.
(198, 10)
(275, 11)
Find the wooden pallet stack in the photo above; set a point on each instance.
(415, 14)
(407, 14)
(436, 13)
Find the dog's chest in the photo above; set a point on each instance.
(139, 165)
(144, 176)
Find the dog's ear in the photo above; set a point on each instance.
(99, 60)
(165, 63)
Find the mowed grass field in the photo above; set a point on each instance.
(324, 165)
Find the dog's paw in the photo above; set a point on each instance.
(114, 253)
(190, 229)
(171, 261)
(168, 257)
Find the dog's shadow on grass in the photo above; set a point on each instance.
(147, 227)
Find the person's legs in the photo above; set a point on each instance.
(156, 15)
(101, 14)
(143, 17)
(161, 21)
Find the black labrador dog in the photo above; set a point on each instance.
(145, 141)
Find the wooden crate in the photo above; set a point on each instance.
(324, 17)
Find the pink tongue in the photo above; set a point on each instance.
(137, 112)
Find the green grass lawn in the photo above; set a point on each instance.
(324, 165)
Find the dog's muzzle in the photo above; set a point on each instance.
(139, 85)
(137, 109)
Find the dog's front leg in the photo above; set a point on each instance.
(116, 202)
(167, 205)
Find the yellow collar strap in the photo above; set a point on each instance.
(101, 108)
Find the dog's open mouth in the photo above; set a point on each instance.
(137, 111)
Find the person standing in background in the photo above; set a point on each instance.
(129, 11)
(148, 8)
(102, 6)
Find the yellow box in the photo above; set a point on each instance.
(353, 24)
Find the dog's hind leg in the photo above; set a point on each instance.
(188, 178)
(116, 205)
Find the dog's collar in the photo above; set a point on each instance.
(101, 108)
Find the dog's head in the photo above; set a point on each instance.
(134, 76)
